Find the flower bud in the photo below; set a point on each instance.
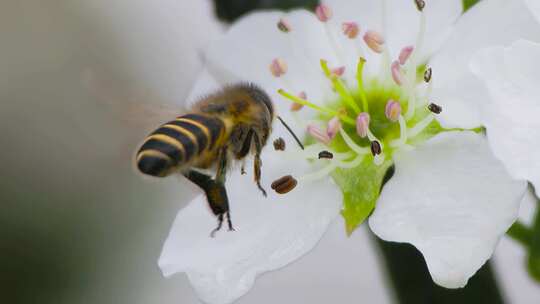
(323, 12)
(339, 71)
(278, 67)
(362, 124)
(333, 127)
(374, 41)
(319, 135)
(405, 54)
(350, 29)
(392, 110)
(396, 73)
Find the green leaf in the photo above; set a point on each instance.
(230, 10)
(534, 249)
(467, 4)
(360, 187)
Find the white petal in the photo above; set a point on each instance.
(402, 20)
(270, 232)
(512, 118)
(453, 200)
(490, 22)
(247, 50)
(534, 6)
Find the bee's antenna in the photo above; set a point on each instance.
(292, 133)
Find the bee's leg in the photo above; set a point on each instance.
(257, 164)
(216, 195)
(222, 166)
(220, 179)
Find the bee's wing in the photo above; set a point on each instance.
(134, 112)
(134, 107)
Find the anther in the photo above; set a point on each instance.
(397, 75)
(284, 26)
(392, 110)
(338, 72)
(295, 107)
(319, 135)
(279, 144)
(362, 124)
(350, 29)
(333, 127)
(435, 108)
(323, 12)
(405, 54)
(420, 4)
(374, 41)
(375, 148)
(326, 155)
(278, 67)
(427, 75)
(284, 184)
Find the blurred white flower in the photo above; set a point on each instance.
(450, 196)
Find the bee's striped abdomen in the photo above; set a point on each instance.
(177, 142)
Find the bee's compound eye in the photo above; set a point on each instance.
(284, 184)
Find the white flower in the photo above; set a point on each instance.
(512, 75)
(450, 196)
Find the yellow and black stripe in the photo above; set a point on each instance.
(177, 142)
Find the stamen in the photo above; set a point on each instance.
(402, 133)
(352, 164)
(319, 174)
(420, 126)
(392, 110)
(405, 54)
(372, 137)
(321, 109)
(338, 72)
(284, 26)
(323, 12)
(420, 4)
(319, 135)
(362, 124)
(360, 79)
(427, 75)
(348, 140)
(278, 67)
(397, 75)
(374, 41)
(435, 108)
(334, 125)
(295, 107)
(279, 144)
(375, 148)
(412, 71)
(350, 29)
(326, 155)
(379, 159)
(284, 184)
(339, 86)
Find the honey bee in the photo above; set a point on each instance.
(223, 127)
